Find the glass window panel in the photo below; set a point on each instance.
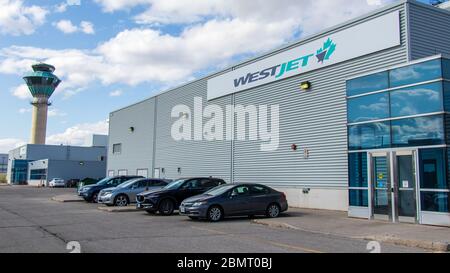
(435, 201)
(369, 107)
(357, 169)
(367, 84)
(446, 96)
(358, 198)
(446, 68)
(417, 100)
(416, 73)
(432, 169)
(418, 131)
(369, 136)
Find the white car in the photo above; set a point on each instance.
(57, 182)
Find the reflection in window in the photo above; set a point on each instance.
(432, 169)
(446, 68)
(417, 100)
(435, 201)
(418, 131)
(367, 108)
(357, 169)
(369, 136)
(421, 72)
(367, 84)
(358, 198)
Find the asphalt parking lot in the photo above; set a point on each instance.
(31, 222)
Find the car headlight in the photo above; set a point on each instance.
(198, 204)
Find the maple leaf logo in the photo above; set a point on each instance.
(326, 51)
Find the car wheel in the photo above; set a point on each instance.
(166, 207)
(121, 200)
(273, 211)
(215, 214)
(95, 198)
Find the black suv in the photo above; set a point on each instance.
(90, 192)
(169, 198)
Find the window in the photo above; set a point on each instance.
(435, 201)
(123, 172)
(240, 191)
(357, 165)
(258, 190)
(369, 136)
(192, 184)
(207, 183)
(142, 172)
(40, 174)
(367, 84)
(421, 72)
(446, 68)
(368, 108)
(432, 169)
(358, 198)
(415, 100)
(110, 173)
(418, 131)
(117, 148)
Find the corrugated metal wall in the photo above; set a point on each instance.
(195, 158)
(429, 31)
(137, 146)
(315, 120)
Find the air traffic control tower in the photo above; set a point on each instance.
(42, 83)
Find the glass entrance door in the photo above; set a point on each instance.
(381, 185)
(406, 186)
(393, 186)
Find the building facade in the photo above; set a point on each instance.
(315, 143)
(36, 164)
(3, 163)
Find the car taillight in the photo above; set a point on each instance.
(283, 195)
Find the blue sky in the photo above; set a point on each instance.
(111, 53)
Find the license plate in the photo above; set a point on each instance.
(182, 210)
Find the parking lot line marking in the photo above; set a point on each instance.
(211, 230)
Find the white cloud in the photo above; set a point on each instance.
(66, 26)
(24, 110)
(22, 92)
(62, 7)
(16, 18)
(8, 144)
(116, 93)
(76, 135)
(54, 112)
(87, 27)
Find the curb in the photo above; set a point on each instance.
(428, 245)
(67, 199)
(118, 209)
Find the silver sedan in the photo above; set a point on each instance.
(125, 193)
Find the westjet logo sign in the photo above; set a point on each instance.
(359, 40)
(277, 71)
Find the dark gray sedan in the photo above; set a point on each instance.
(235, 200)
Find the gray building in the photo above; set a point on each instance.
(33, 164)
(3, 163)
(317, 120)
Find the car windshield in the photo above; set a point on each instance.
(219, 190)
(128, 183)
(175, 184)
(104, 181)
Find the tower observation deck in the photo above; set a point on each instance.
(41, 83)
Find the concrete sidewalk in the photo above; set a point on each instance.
(338, 223)
(67, 198)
